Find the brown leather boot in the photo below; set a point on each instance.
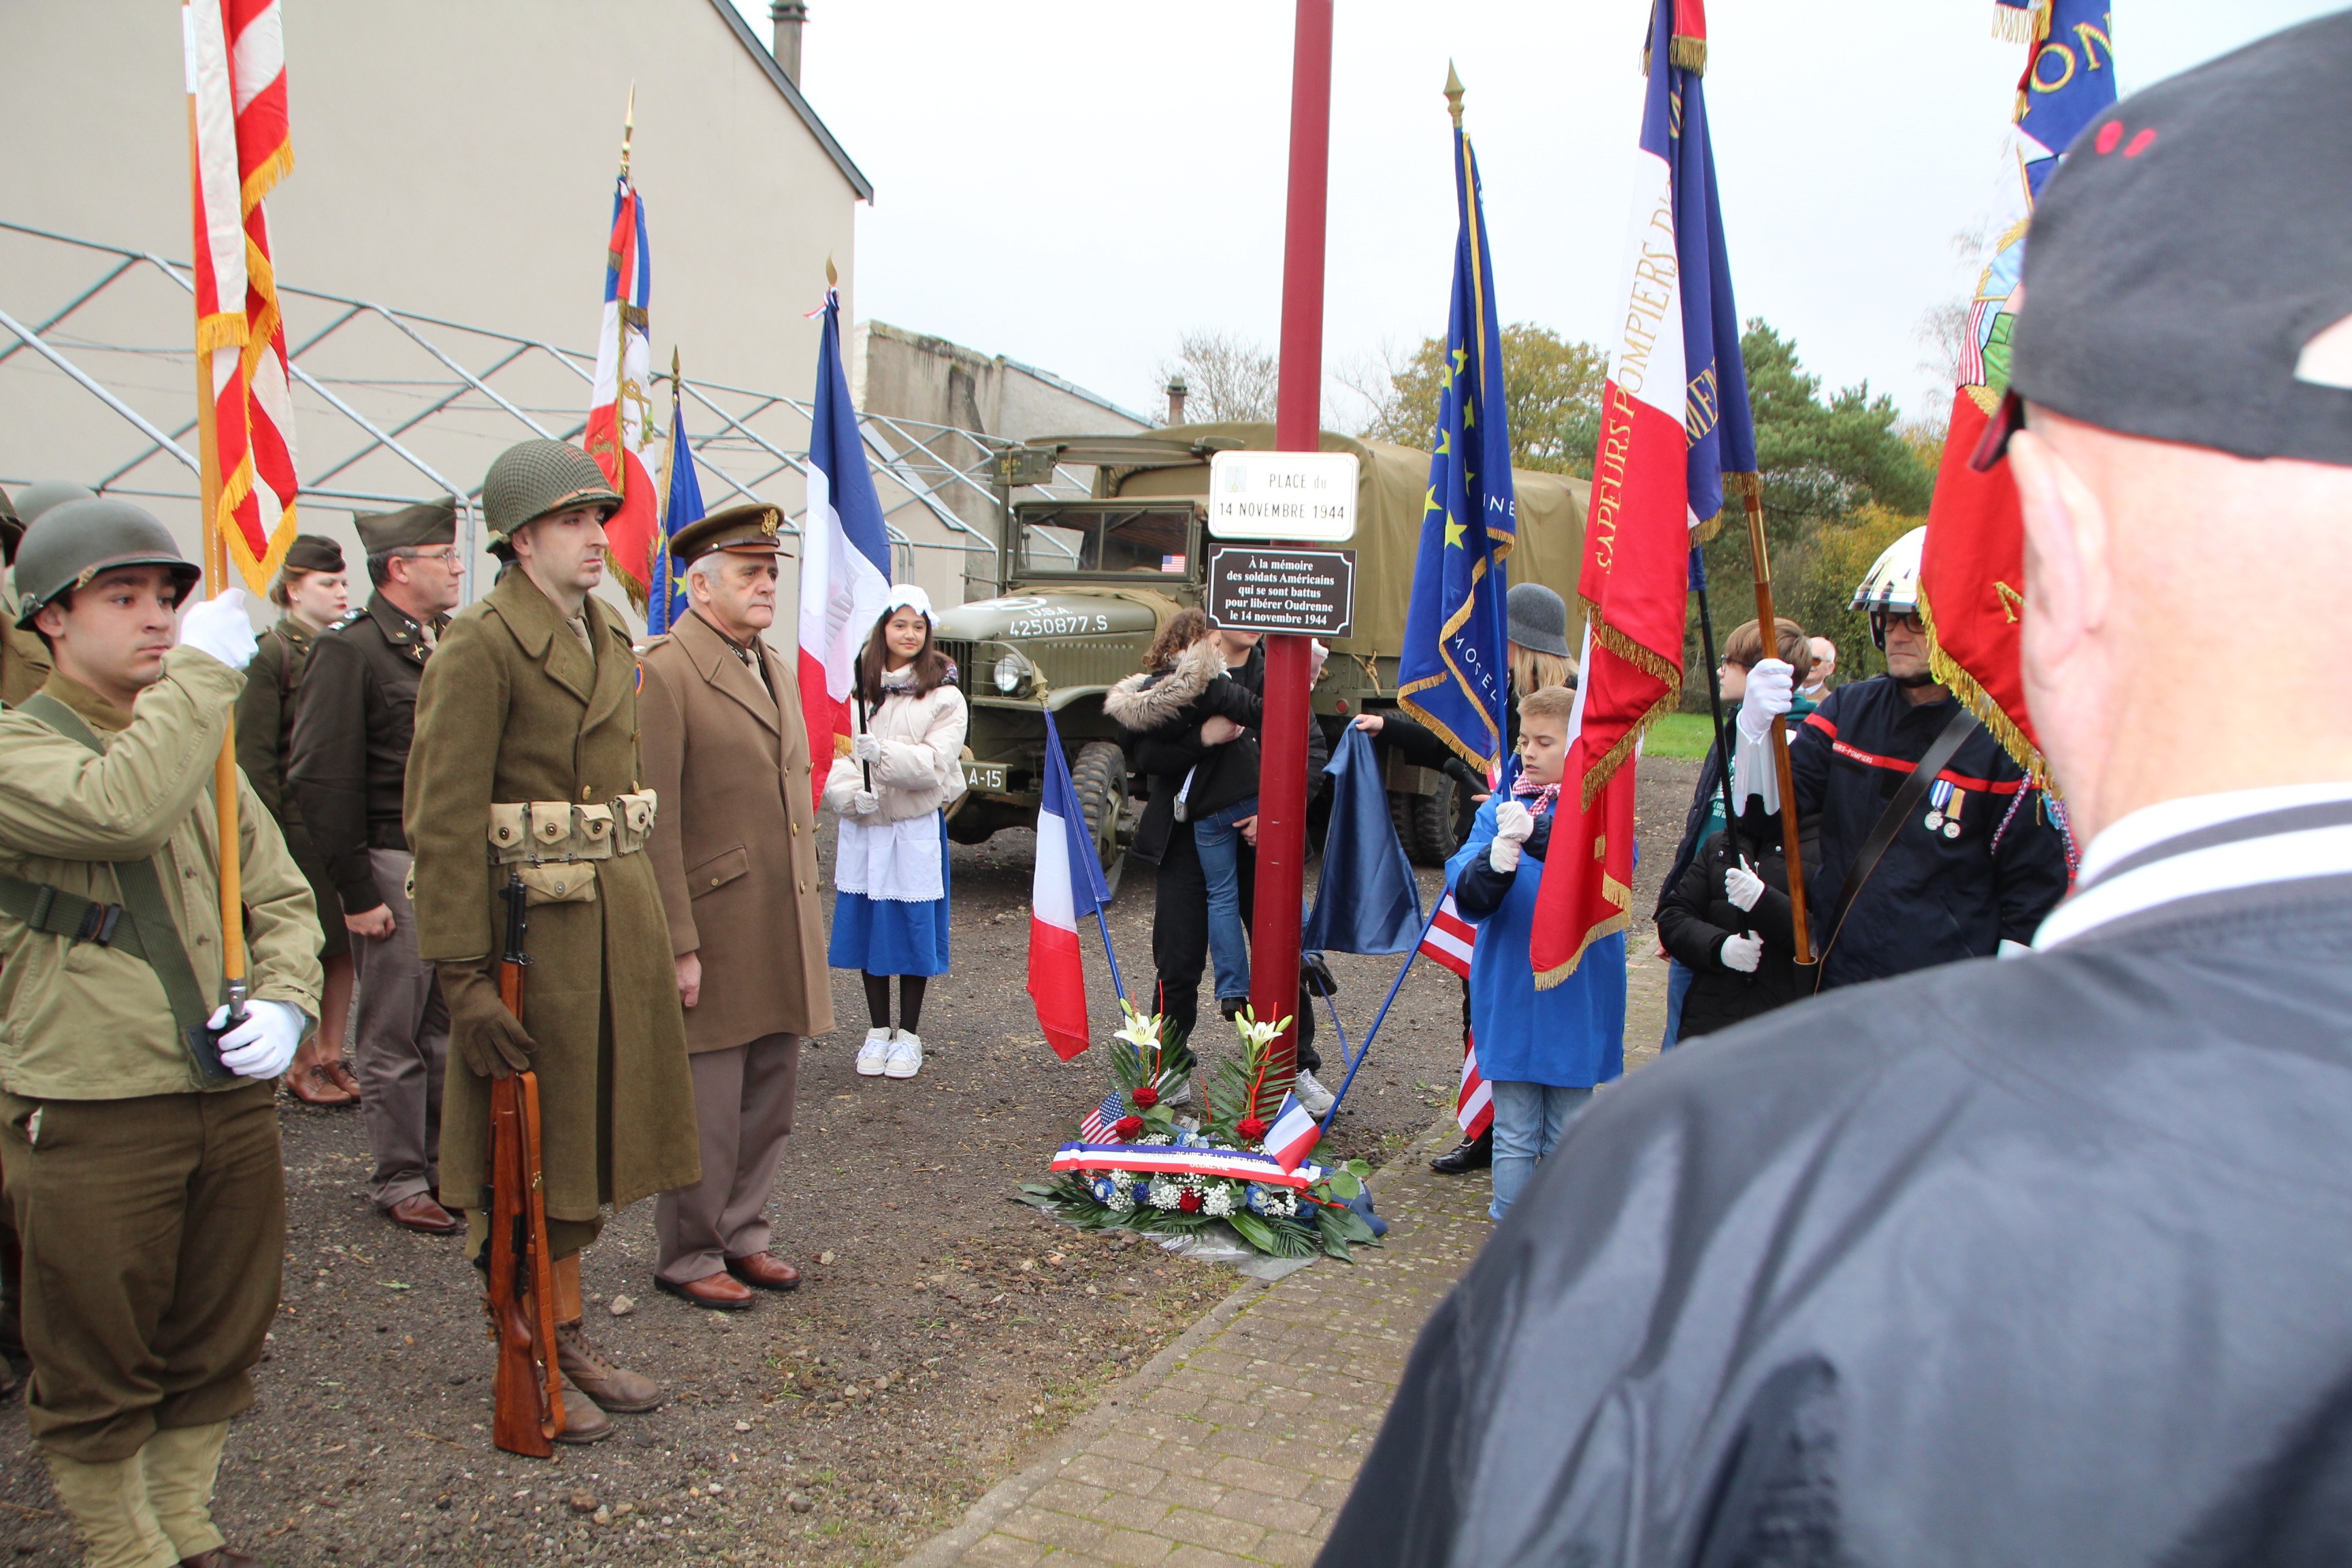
(584, 1422)
(617, 1389)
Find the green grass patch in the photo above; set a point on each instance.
(1682, 735)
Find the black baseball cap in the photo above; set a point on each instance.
(2188, 276)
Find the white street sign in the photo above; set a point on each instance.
(1283, 495)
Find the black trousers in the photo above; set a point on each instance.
(1180, 939)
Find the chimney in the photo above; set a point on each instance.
(1176, 398)
(788, 17)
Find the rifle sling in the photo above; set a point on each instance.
(140, 926)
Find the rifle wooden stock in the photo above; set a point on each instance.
(528, 1392)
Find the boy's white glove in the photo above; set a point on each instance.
(864, 747)
(1742, 952)
(864, 802)
(1513, 824)
(1771, 687)
(1742, 886)
(219, 626)
(262, 1045)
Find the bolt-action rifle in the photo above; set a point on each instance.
(527, 1393)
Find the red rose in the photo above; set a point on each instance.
(1127, 1127)
(1146, 1098)
(1191, 1202)
(1250, 1127)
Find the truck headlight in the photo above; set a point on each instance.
(1013, 674)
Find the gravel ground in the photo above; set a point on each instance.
(942, 1334)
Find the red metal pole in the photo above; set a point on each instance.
(1282, 770)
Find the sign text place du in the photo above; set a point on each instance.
(1283, 495)
(1261, 588)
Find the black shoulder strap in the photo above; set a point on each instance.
(142, 895)
(1890, 821)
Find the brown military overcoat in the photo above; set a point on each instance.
(511, 710)
(735, 847)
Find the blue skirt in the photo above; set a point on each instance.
(891, 936)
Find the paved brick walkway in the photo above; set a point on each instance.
(1238, 1443)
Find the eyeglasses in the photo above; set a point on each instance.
(449, 558)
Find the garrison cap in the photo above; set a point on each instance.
(12, 527)
(2186, 278)
(69, 545)
(750, 530)
(313, 552)
(531, 478)
(411, 528)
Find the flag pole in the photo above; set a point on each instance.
(1715, 698)
(1382, 1015)
(212, 555)
(1768, 625)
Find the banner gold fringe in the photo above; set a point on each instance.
(2012, 25)
(258, 572)
(1743, 485)
(265, 176)
(1621, 920)
(222, 330)
(1685, 52)
(1948, 671)
(1438, 727)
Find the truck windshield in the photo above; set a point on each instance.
(1113, 539)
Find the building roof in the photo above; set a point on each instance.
(761, 53)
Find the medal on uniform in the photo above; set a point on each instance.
(1938, 794)
(1959, 798)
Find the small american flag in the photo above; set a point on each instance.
(1450, 938)
(1096, 1127)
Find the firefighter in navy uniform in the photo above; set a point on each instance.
(1975, 862)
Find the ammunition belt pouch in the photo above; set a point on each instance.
(554, 844)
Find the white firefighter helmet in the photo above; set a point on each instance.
(1891, 586)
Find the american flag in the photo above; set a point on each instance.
(1449, 943)
(1096, 1127)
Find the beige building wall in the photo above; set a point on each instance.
(454, 158)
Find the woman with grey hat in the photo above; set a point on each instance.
(1540, 657)
(314, 593)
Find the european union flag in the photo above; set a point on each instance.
(681, 507)
(1454, 672)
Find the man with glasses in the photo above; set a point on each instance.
(346, 773)
(1966, 866)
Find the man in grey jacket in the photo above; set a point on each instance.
(2040, 1259)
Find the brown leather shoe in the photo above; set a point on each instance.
(220, 1557)
(418, 1212)
(617, 1389)
(764, 1270)
(315, 1085)
(716, 1292)
(342, 1073)
(584, 1422)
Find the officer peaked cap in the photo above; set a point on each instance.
(752, 529)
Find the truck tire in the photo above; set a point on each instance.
(1100, 777)
(1429, 824)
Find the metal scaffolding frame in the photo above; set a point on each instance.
(399, 381)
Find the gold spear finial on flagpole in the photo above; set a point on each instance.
(832, 274)
(629, 129)
(1454, 90)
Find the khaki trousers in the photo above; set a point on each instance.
(743, 1103)
(153, 1230)
(400, 1045)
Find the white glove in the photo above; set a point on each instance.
(1513, 823)
(864, 802)
(1742, 952)
(219, 626)
(864, 747)
(1770, 688)
(261, 1046)
(1742, 886)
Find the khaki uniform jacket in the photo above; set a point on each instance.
(24, 661)
(347, 765)
(735, 844)
(84, 1021)
(511, 710)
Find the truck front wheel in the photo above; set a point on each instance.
(1100, 776)
(1430, 824)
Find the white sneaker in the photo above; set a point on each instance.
(1311, 1094)
(905, 1055)
(874, 1053)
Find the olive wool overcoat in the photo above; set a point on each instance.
(511, 708)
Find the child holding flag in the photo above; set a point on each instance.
(1541, 1052)
(890, 870)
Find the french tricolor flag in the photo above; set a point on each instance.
(844, 558)
(620, 415)
(1294, 1134)
(1069, 886)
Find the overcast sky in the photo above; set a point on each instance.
(1076, 182)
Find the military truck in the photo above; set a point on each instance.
(1083, 586)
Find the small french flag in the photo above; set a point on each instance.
(1294, 1134)
(1069, 885)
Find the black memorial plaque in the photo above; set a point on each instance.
(1267, 588)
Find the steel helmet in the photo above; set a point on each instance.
(71, 543)
(1891, 586)
(534, 478)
